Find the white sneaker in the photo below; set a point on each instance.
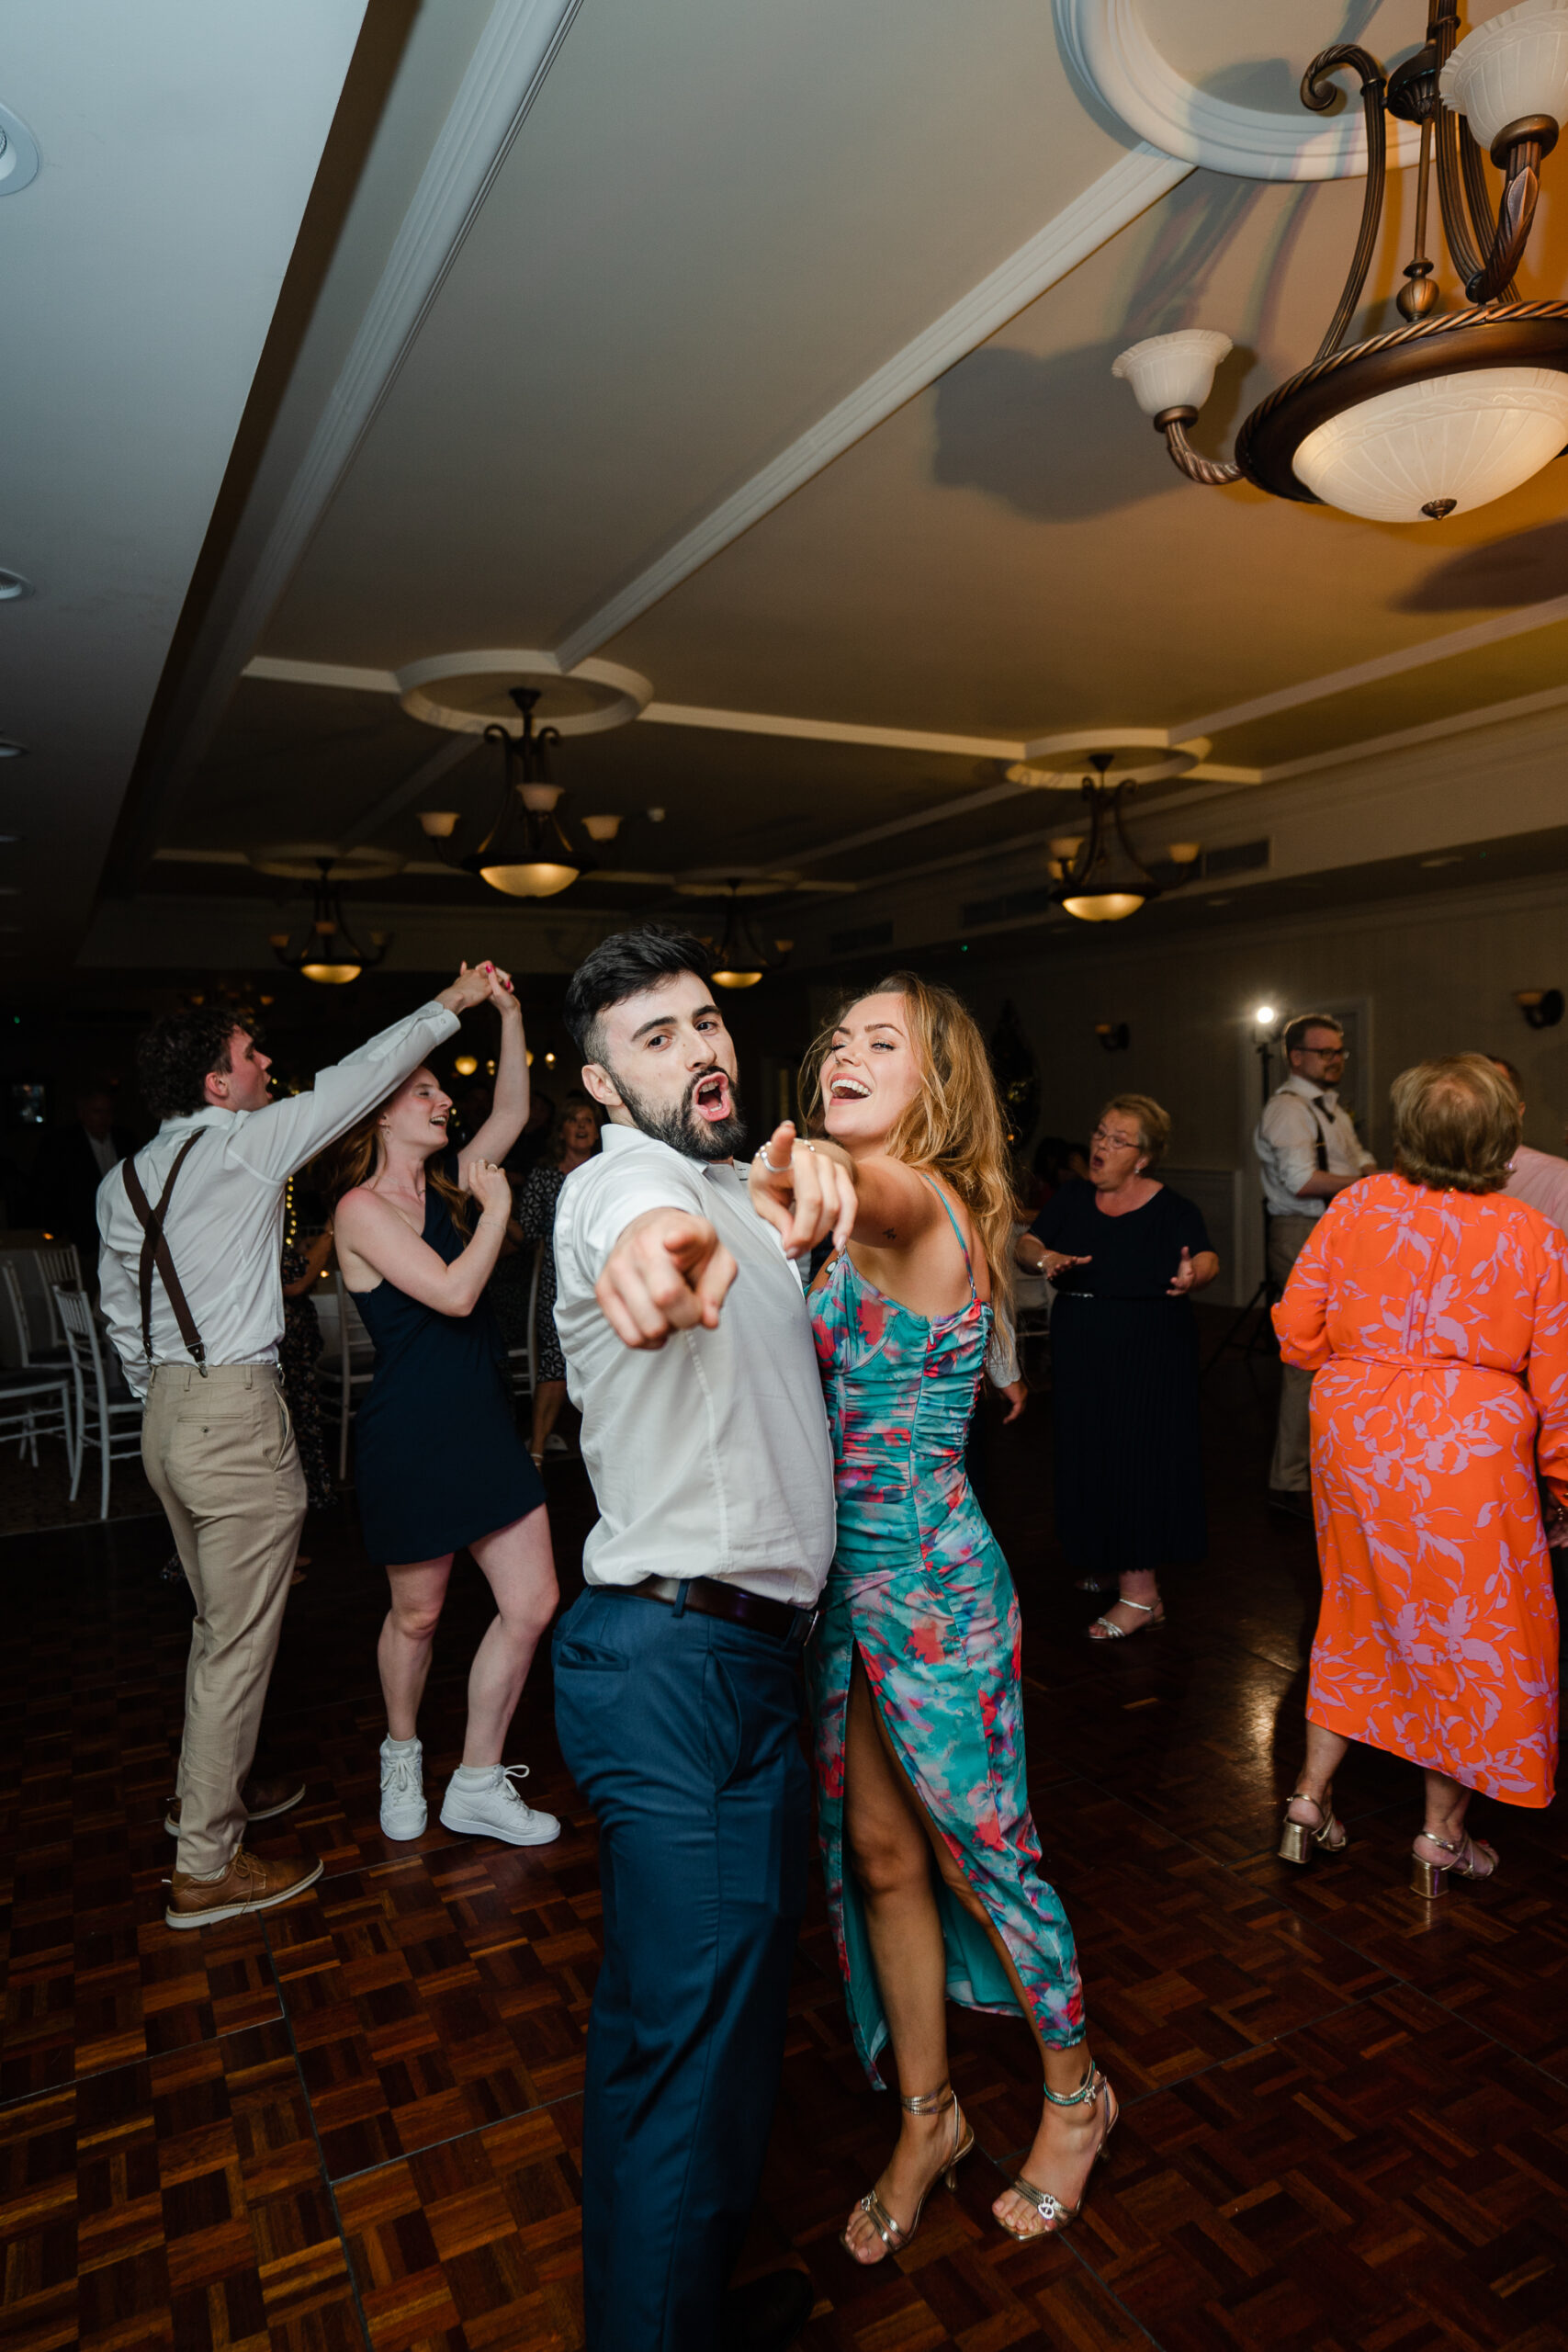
(404, 1809)
(497, 1811)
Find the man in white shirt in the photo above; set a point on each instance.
(1538, 1177)
(191, 1288)
(1309, 1151)
(689, 1353)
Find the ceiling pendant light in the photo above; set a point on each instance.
(526, 854)
(328, 954)
(739, 962)
(1105, 881)
(1448, 410)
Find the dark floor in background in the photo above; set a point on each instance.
(354, 2122)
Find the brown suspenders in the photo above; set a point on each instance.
(156, 1252)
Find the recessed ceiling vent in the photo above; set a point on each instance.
(19, 154)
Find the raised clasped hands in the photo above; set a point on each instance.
(474, 984)
(669, 1271)
(805, 1190)
(1182, 1280)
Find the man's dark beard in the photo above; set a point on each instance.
(682, 1130)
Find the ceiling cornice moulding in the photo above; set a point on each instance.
(1113, 52)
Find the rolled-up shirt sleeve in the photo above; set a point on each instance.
(1290, 1132)
(121, 1307)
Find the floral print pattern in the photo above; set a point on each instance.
(1436, 1326)
(919, 1587)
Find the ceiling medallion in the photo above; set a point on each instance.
(468, 693)
(1450, 410)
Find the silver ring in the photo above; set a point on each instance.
(769, 1165)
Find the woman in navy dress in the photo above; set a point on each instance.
(440, 1463)
(1125, 1253)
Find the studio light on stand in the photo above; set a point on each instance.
(328, 954)
(1449, 410)
(1105, 882)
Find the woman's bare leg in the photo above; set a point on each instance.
(408, 1636)
(548, 1397)
(520, 1568)
(889, 1851)
(1063, 2153)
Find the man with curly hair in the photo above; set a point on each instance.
(191, 1288)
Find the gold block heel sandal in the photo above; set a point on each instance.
(894, 2235)
(1472, 1858)
(1050, 2208)
(1298, 1837)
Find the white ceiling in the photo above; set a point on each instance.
(762, 346)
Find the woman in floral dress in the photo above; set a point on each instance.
(914, 1667)
(1433, 1310)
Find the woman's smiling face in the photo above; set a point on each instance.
(870, 1076)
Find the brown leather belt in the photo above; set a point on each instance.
(709, 1596)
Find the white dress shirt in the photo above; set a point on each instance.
(709, 1456)
(224, 1225)
(1295, 1118)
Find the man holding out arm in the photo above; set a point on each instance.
(191, 1288)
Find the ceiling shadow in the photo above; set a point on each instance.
(1528, 569)
(1049, 438)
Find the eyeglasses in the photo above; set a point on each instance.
(1325, 1053)
(1115, 1142)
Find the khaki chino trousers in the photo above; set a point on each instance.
(1290, 1470)
(220, 1454)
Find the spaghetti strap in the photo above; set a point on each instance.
(952, 1221)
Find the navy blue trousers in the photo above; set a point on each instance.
(683, 1732)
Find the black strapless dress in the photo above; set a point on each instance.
(439, 1461)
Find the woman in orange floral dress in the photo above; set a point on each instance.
(1433, 1310)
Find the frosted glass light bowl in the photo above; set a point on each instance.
(1470, 437)
(1514, 66)
(1172, 371)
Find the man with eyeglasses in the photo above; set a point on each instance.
(1309, 1151)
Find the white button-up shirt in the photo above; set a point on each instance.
(1295, 1119)
(709, 1456)
(224, 1225)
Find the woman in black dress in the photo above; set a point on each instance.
(440, 1461)
(1126, 1254)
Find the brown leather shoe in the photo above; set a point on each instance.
(248, 1884)
(261, 1799)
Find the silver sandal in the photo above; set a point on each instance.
(1050, 2208)
(894, 2235)
(1120, 1633)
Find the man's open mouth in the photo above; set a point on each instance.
(710, 1097)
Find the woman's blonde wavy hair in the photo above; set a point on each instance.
(954, 1126)
(358, 1156)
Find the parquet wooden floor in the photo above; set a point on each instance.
(355, 2122)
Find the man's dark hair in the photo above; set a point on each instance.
(620, 966)
(176, 1055)
(1294, 1035)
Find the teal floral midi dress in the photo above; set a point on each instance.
(919, 1587)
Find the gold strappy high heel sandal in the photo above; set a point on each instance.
(1295, 1836)
(1050, 2210)
(894, 2236)
(1431, 1878)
